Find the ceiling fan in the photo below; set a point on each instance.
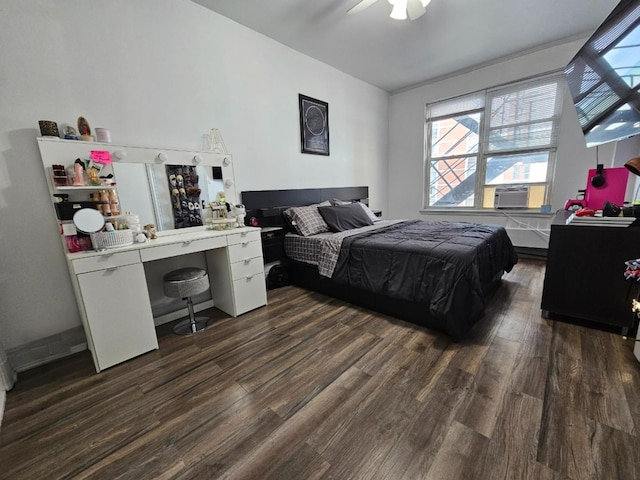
(414, 8)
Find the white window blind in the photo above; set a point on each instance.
(456, 105)
(523, 116)
(502, 136)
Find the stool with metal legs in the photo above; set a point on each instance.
(184, 283)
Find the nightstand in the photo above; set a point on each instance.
(272, 243)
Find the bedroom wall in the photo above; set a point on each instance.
(406, 144)
(161, 73)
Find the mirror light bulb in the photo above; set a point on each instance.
(120, 154)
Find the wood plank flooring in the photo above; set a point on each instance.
(313, 388)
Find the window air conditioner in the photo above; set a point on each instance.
(515, 196)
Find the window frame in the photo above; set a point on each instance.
(482, 154)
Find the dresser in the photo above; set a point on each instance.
(584, 276)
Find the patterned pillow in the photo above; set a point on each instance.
(307, 220)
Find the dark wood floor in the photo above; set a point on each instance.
(313, 388)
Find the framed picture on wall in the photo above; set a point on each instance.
(314, 125)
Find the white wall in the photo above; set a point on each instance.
(162, 73)
(407, 110)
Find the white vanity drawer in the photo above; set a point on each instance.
(247, 267)
(181, 248)
(104, 261)
(244, 250)
(248, 236)
(250, 293)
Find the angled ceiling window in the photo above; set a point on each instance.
(498, 137)
(604, 78)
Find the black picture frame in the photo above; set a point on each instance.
(314, 125)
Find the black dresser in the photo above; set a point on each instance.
(584, 277)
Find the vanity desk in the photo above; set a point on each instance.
(115, 288)
(113, 297)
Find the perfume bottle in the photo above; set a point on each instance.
(114, 204)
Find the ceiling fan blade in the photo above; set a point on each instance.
(415, 9)
(361, 6)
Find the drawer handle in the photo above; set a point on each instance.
(244, 234)
(186, 243)
(249, 277)
(247, 261)
(111, 269)
(245, 243)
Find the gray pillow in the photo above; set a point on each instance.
(344, 217)
(369, 212)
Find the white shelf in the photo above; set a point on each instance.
(85, 187)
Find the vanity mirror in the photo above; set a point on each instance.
(167, 196)
(143, 178)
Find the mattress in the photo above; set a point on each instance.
(443, 266)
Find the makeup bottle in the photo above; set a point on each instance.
(114, 204)
(104, 206)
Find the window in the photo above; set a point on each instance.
(503, 136)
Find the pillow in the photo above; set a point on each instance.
(344, 217)
(307, 220)
(290, 226)
(369, 212)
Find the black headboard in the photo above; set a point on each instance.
(266, 206)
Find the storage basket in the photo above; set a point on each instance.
(118, 238)
(220, 223)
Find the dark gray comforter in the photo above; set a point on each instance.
(446, 267)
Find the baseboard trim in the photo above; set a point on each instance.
(48, 349)
(532, 253)
(69, 342)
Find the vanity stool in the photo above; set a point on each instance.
(184, 283)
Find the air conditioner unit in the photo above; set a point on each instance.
(515, 196)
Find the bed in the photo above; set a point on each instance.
(436, 274)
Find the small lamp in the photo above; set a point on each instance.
(633, 165)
